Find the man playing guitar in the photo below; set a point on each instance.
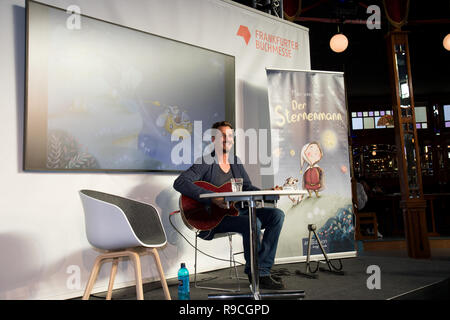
(218, 173)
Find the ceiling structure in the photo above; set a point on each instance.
(365, 60)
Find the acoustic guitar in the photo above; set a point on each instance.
(198, 216)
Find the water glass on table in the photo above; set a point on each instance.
(236, 184)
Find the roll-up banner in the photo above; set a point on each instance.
(309, 114)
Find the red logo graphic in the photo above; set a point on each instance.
(244, 33)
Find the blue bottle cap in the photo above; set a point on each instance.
(183, 265)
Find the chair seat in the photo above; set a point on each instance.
(366, 219)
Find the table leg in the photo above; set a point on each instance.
(254, 269)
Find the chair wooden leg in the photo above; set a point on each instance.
(134, 256)
(375, 226)
(112, 277)
(138, 274)
(92, 277)
(161, 274)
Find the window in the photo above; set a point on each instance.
(357, 123)
(384, 119)
(372, 120)
(447, 115)
(421, 117)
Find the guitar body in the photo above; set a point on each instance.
(196, 216)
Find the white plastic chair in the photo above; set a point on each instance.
(124, 228)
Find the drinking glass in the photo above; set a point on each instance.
(236, 184)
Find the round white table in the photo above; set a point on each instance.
(252, 198)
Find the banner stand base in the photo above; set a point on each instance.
(309, 273)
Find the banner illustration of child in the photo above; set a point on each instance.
(313, 176)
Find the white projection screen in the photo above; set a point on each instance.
(104, 97)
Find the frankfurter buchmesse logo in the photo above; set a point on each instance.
(269, 42)
(244, 33)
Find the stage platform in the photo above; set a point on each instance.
(401, 278)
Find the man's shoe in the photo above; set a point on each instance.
(267, 282)
(277, 278)
(270, 283)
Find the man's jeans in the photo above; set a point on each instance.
(269, 219)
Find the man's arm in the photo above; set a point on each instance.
(185, 183)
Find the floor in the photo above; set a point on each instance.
(372, 275)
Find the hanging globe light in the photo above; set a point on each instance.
(446, 42)
(338, 43)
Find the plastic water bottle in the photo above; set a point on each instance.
(183, 283)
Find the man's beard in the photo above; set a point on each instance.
(226, 149)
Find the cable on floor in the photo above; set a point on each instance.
(193, 246)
